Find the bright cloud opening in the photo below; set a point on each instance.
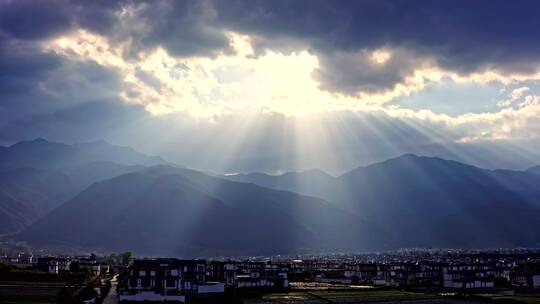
(380, 56)
(275, 82)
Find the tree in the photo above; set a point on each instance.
(126, 258)
(75, 267)
(112, 259)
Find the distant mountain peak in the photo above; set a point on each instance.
(42, 153)
(40, 140)
(410, 157)
(415, 157)
(100, 142)
(37, 143)
(534, 170)
(310, 172)
(315, 171)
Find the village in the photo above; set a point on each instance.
(416, 276)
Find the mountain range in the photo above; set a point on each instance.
(97, 196)
(164, 210)
(424, 201)
(37, 176)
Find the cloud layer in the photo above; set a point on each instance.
(76, 70)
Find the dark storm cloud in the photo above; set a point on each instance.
(22, 64)
(46, 95)
(35, 84)
(462, 36)
(36, 20)
(464, 32)
(42, 94)
(353, 72)
(184, 28)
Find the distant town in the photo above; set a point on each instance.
(402, 276)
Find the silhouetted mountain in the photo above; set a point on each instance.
(411, 195)
(164, 210)
(86, 174)
(37, 176)
(534, 170)
(40, 153)
(28, 193)
(498, 225)
(306, 182)
(14, 214)
(402, 202)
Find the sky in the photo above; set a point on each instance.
(273, 86)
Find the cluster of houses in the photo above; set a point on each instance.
(22, 258)
(422, 274)
(169, 279)
(163, 280)
(53, 264)
(174, 280)
(58, 264)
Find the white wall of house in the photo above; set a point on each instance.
(536, 280)
(53, 268)
(256, 283)
(211, 288)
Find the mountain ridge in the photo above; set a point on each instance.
(41, 153)
(268, 221)
(411, 194)
(37, 176)
(400, 202)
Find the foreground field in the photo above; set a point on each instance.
(346, 296)
(35, 292)
(317, 293)
(520, 299)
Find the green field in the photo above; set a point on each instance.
(305, 286)
(522, 299)
(337, 296)
(28, 294)
(329, 293)
(28, 298)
